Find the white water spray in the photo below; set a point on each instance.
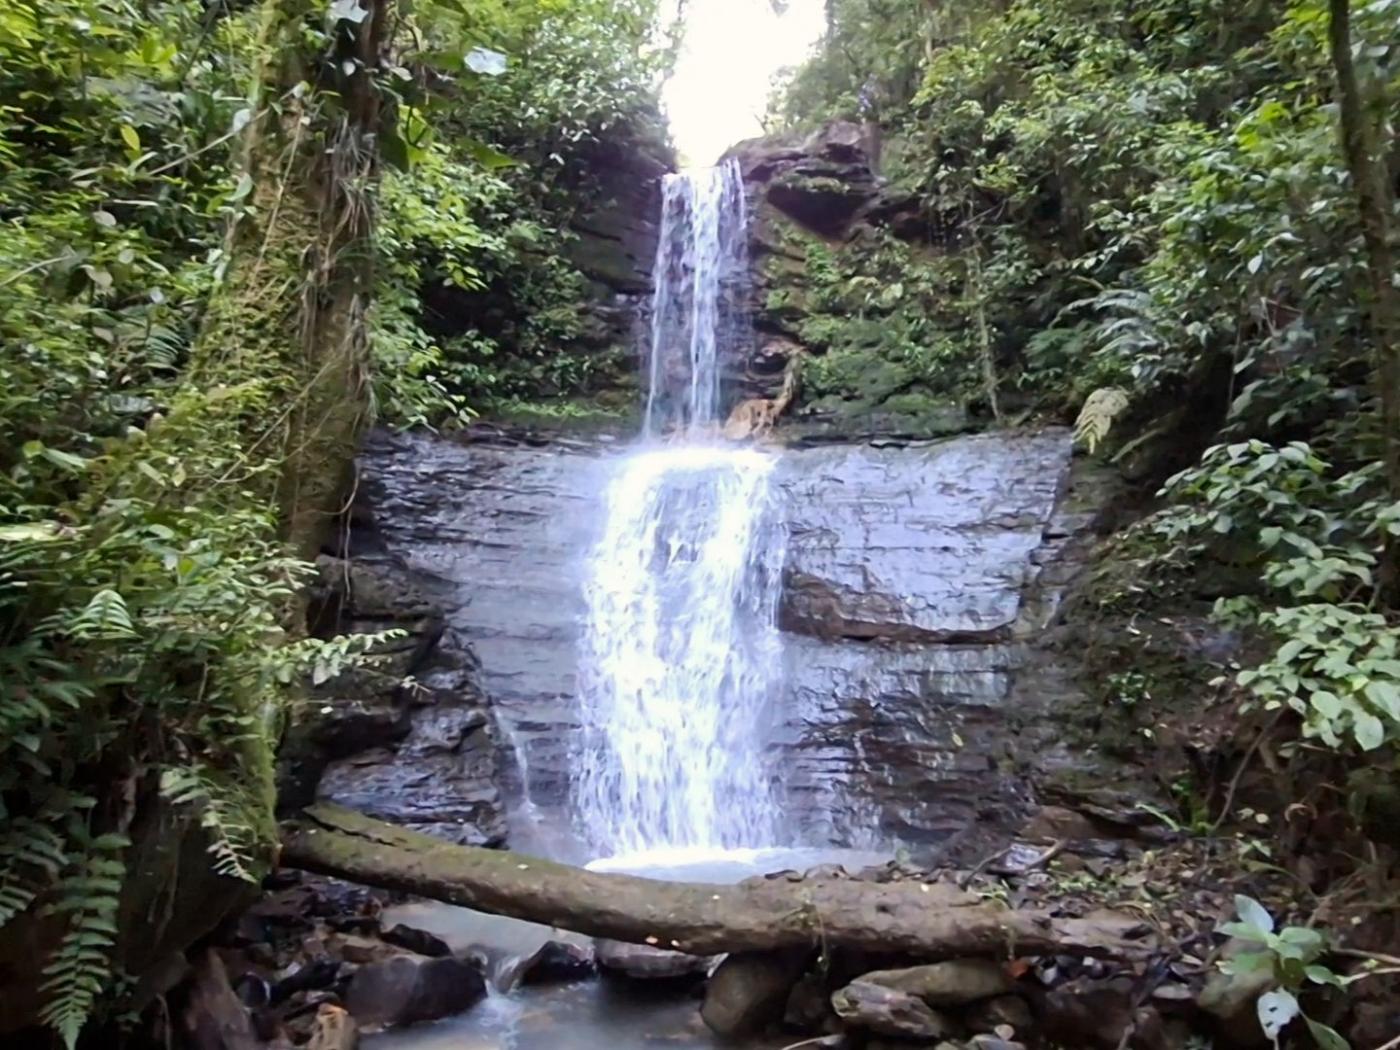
(681, 655)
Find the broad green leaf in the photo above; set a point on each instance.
(1322, 975)
(29, 532)
(1326, 704)
(1369, 730)
(1252, 913)
(488, 157)
(244, 187)
(1326, 1038)
(1384, 695)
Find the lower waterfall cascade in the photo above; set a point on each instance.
(680, 656)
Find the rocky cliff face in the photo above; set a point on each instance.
(854, 275)
(924, 704)
(407, 738)
(609, 218)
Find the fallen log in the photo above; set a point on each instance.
(928, 920)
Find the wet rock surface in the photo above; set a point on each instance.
(644, 962)
(888, 1011)
(919, 703)
(748, 991)
(408, 737)
(409, 989)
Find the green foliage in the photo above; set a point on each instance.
(1338, 666)
(879, 316)
(1146, 185)
(151, 357)
(1314, 537)
(87, 898)
(476, 218)
(1292, 956)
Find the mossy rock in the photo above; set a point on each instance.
(909, 414)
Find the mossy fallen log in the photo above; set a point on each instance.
(927, 920)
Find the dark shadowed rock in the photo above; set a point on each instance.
(556, 961)
(888, 1011)
(408, 989)
(821, 179)
(415, 940)
(644, 962)
(808, 1007)
(749, 990)
(1099, 1015)
(214, 1019)
(946, 984)
(1002, 1011)
(419, 752)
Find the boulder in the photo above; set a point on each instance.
(946, 984)
(415, 940)
(556, 961)
(408, 989)
(645, 962)
(888, 1011)
(820, 179)
(213, 1018)
(361, 950)
(749, 991)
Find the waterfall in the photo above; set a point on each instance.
(681, 654)
(697, 307)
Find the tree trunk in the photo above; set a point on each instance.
(931, 921)
(290, 312)
(1375, 199)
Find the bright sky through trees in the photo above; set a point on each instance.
(732, 49)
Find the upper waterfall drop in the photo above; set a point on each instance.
(697, 308)
(681, 655)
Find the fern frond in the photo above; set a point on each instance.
(30, 855)
(1100, 409)
(231, 839)
(81, 966)
(104, 618)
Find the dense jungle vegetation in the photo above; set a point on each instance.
(1173, 221)
(217, 222)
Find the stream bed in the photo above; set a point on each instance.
(606, 1012)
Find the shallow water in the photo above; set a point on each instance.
(602, 1013)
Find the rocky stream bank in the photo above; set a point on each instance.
(315, 963)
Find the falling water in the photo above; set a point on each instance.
(681, 654)
(697, 308)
